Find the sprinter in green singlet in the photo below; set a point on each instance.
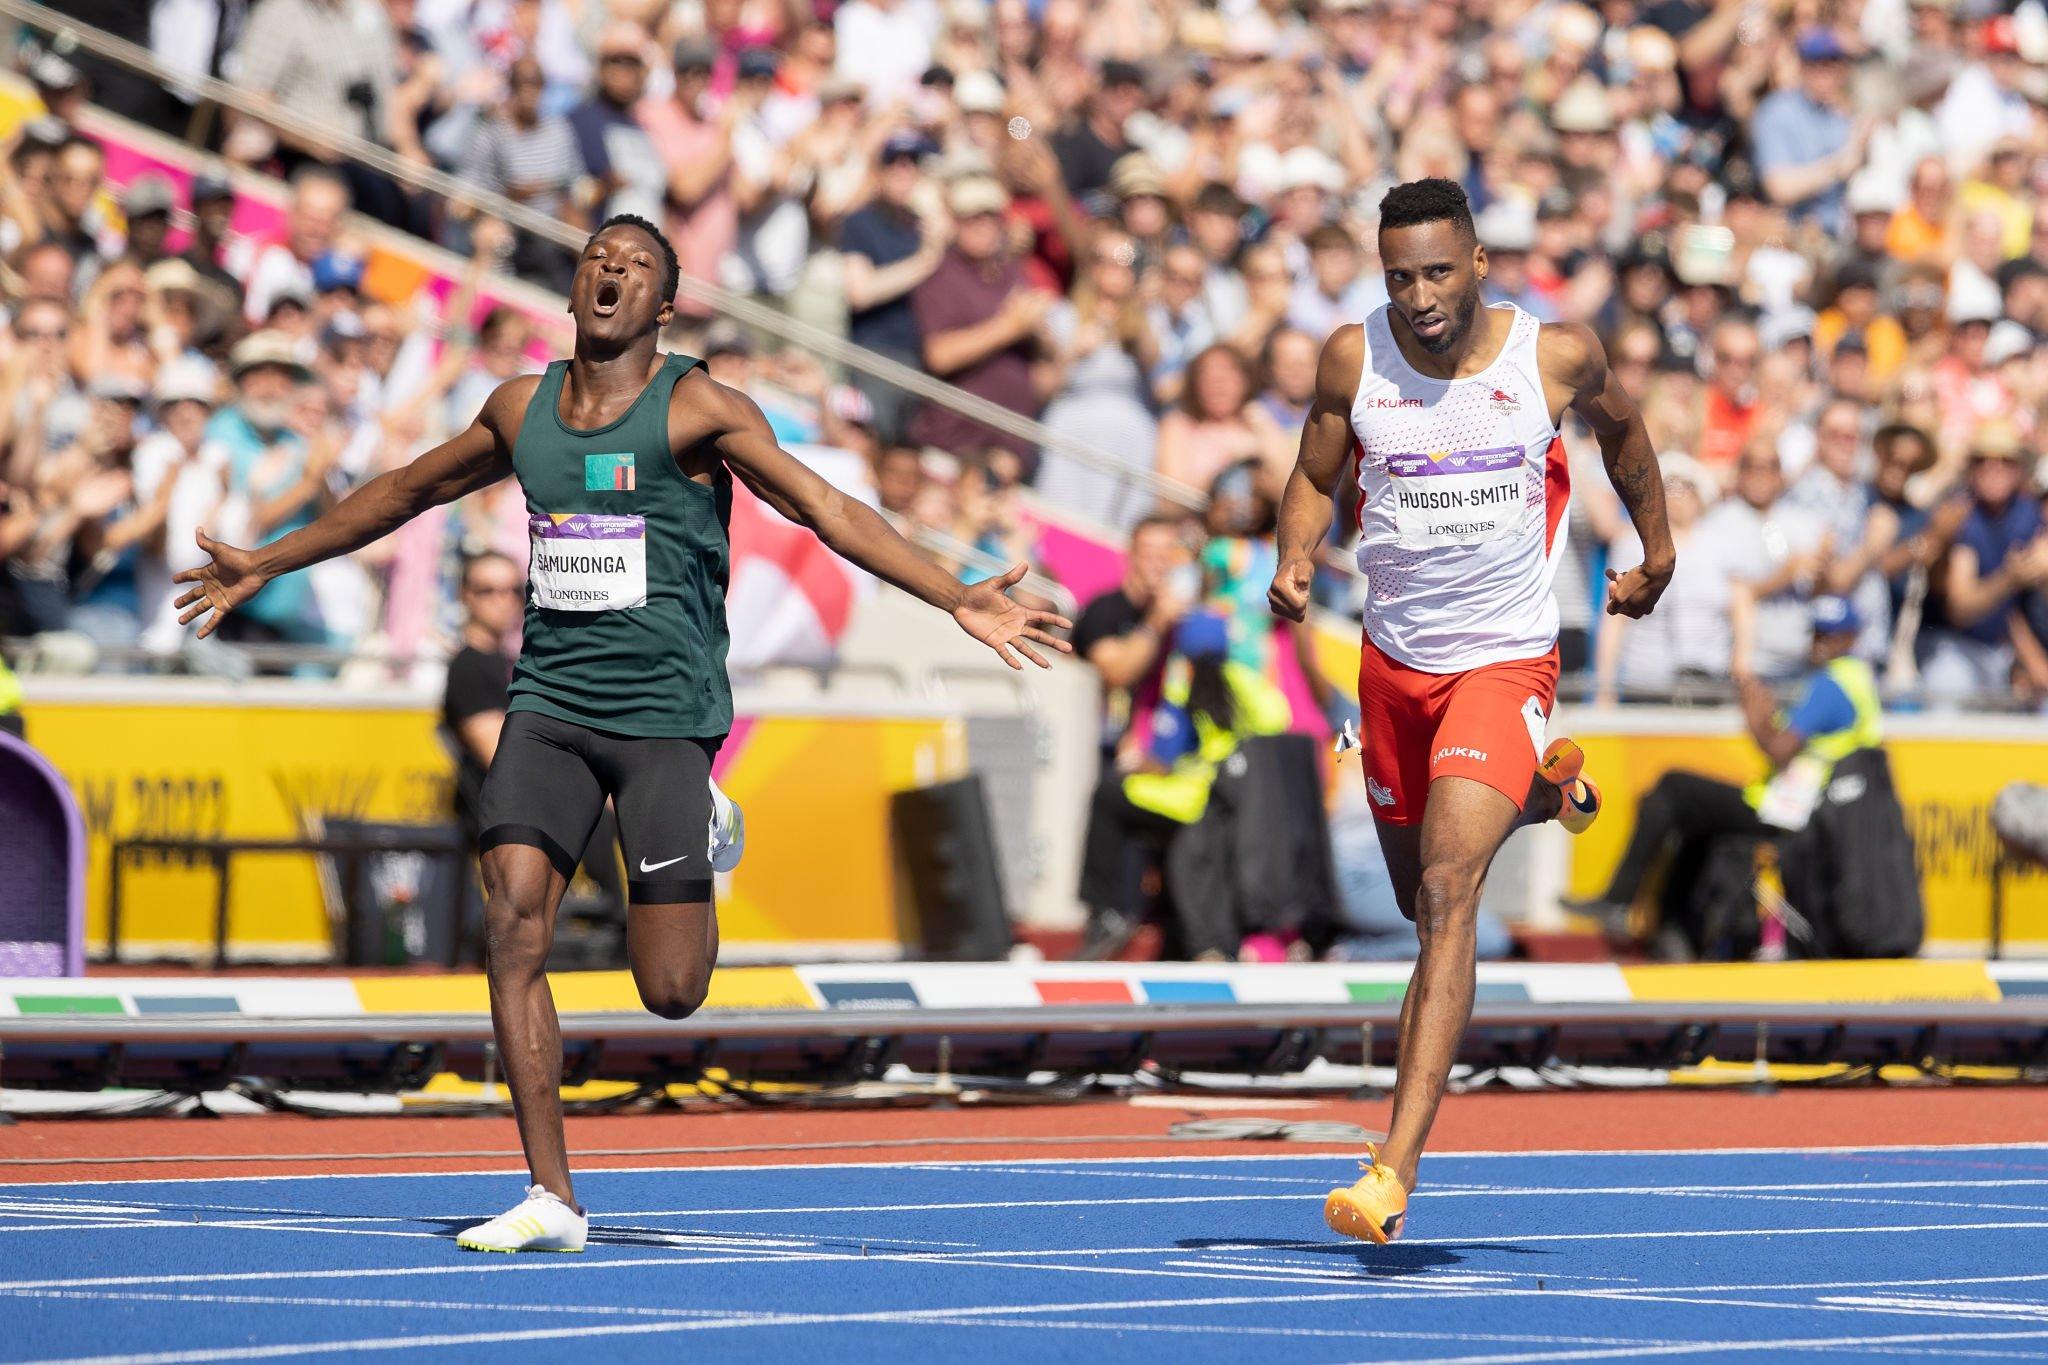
(627, 458)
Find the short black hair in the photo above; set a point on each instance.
(671, 271)
(1434, 200)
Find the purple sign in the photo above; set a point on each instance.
(587, 526)
(1454, 462)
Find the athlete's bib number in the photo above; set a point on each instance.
(583, 561)
(1456, 497)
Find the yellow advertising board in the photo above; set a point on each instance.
(175, 761)
(1948, 770)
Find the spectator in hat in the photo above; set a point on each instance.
(615, 149)
(183, 481)
(1871, 202)
(60, 85)
(1966, 650)
(112, 337)
(146, 206)
(693, 138)
(337, 285)
(276, 474)
(1806, 145)
(1142, 208)
(887, 248)
(1508, 231)
(1089, 147)
(981, 326)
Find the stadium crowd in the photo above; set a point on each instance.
(1806, 232)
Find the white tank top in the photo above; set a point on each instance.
(1463, 486)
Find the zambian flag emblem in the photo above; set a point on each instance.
(608, 473)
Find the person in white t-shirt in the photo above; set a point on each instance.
(176, 462)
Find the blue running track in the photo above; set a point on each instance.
(1807, 1255)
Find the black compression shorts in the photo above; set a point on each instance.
(547, 786)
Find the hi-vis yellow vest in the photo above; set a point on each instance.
(1787, 799)
(10, 690)
(1183, 794)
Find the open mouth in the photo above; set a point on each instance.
(1429, 324)
(605, 301)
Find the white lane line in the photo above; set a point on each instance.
(1940, 1304)
(1702, 1347)
(1305, 1182)
(1928, 1155)
(1714, 1232)
(1213, 1329)
(424, 1305)
(947, 1316)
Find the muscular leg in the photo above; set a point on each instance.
(522, 888)
(1402, 847)
(1462, 828)
(673, 949)
(662, 791)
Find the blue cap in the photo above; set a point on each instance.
(758, 63)
(336, 271)
(1202, 635)
(1821, 45)
(1835, 616)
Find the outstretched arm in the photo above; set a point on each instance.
(1573, 359)
(1307, 506)
(477, 458)
(858, 533)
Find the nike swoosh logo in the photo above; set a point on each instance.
(646, 866)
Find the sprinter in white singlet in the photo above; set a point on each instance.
(1447, 414)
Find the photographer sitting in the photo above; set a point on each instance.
(1837, 714)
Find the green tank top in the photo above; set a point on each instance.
(625, 608)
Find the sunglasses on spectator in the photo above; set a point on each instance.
(45, 334)
(493, 590)
(628, 58)
(1756, 467)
